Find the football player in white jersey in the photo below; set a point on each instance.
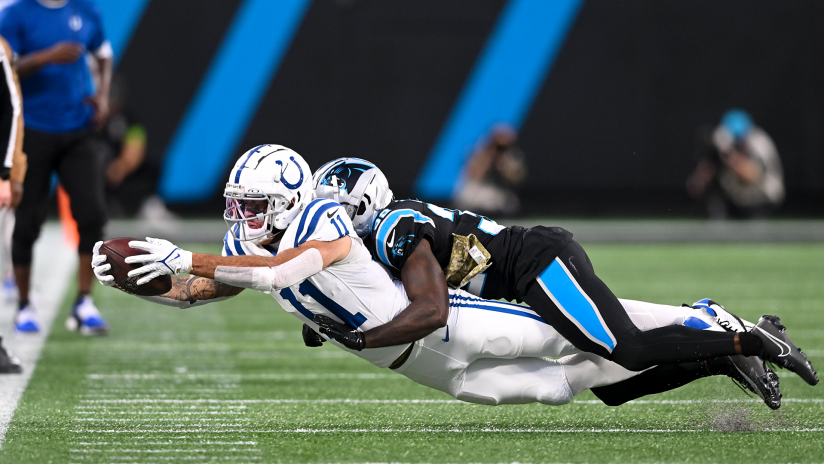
(363, 189)
(485, 352)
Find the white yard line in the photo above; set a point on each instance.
(400, 401)
(208, 442)
(54, 264)
(201, 450)
(166, 385)
(228, 375)
(431, 430)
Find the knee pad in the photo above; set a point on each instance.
(553, 394)
(476, 398)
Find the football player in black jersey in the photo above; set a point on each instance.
(542, 266)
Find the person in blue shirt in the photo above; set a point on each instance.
(63, 105)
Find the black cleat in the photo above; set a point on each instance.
(8, 363)
(750, 373)
(779, 349)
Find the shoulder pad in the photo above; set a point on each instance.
(323, 220)
(392, 233)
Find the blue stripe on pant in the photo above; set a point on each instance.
(567, 295)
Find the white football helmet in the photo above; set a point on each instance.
(356, 184)
(267, 188)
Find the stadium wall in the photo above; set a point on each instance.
(609, 130)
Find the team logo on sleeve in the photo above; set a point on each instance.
(398, 247)
(385, 227)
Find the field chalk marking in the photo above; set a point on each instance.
(54, 264)
(404, 401)
(430, 430)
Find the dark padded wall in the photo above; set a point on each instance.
(611, 131)
(618, 115)
(374, 80)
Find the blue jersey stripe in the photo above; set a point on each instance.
(575, 304)
(226, 246)
(502, 310)
(303, 218)
(287, 294)
(352, 320)
(314, 222)
(239, 248)
(334, 223)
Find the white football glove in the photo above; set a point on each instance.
(100, 266)
(163, 258)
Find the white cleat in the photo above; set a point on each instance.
(86, 318)
(26, 320)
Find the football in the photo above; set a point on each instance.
(116, 250)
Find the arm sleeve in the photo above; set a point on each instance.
(399, 233)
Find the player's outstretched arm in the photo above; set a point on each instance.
(330, 253)
(262, 273)
(195, 289)
(428, 311)
(185, 292)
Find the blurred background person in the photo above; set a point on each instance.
(739, 172)
(12, 172)
(493, 175)
(131, 178)
(123, 148)
(52, 39)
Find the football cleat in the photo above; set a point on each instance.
(8, 363)
(750, 373)
(727, 320)
(779, 349)
(86, 318)
(26, 320)
(9, 289)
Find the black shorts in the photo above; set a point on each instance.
(78, 162)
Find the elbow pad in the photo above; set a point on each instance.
(266, 279)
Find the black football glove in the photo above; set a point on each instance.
(352, 339)
(311, 338)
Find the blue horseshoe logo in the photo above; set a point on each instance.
(287, 184)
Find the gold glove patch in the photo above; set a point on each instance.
(469, 258)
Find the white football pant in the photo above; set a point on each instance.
(495, 353)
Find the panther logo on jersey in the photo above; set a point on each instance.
(400, 243)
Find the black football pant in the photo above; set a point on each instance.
(77, 161)
(571, 298)
(659, 379)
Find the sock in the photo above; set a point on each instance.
(717, 366)
(751, 345)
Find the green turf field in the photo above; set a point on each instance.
(232, 382)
